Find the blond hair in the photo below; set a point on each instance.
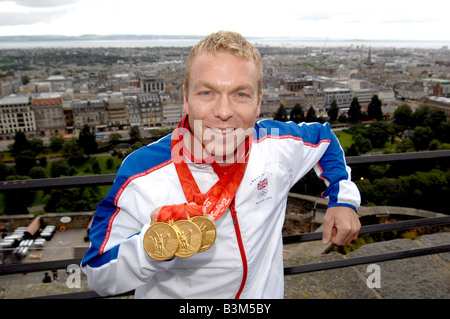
(228, 41)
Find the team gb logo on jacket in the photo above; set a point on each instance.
(262, 188)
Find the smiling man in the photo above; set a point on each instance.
(222, 97)
(199, 213)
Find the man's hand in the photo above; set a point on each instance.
(341, 225)
(154, 213)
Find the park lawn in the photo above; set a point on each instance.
(346, 139)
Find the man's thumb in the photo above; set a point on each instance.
(326, 234)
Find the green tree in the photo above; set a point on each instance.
(110, 162)
(115, 138)
(421, 137)
(4, 171)
(87, 142)
(436, 118)
(21, 143)
(333, 111)
(403, 115)
(37, 145)
(72, 199)
(378, 133)
(297, 115)
(135, 134)
(96, 166)
(354, 112)
(25, 160)
(281, 114)
(311, 115)
(427, 116)
(363, 145)
(56, 143)
(60, 168)
(374, 109)
(17, 202)
(443, 132)
(25, 79)
(37, 172)
(75, 153)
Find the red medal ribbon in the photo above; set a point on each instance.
(216, 201)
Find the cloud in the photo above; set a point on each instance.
(409, 20)
(41, 3)
(30, 12)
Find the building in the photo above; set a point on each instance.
(313, 97)
(133, 110)
(150, 109)
(386, 95)
(173, 112)
(269, 106)
(59, 83)
(49, 114)
(342, 96)
(9, 86)
(90, 112)
(116, 111)
(364, 96)
(152, 81)
(296, 85)
(16, 115)
(442, 103)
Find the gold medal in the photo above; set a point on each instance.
(161, 241)
(208, 230)
(190, 238)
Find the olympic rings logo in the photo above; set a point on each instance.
(263, 193)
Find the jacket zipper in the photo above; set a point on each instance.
(241, 248)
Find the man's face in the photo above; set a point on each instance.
(222, 102)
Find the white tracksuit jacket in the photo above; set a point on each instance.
(246, 258)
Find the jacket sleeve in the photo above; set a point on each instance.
(116, 261)
(335, 172)
(314, 145)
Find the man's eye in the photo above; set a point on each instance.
(206, 93)
(241, 95)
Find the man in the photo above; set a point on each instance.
(220, 163)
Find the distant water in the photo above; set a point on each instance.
(285, 42)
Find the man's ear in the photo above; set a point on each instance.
(185, 101)
(258, 111)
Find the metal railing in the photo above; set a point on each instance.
(96, 180)
(327, 265)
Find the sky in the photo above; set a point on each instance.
(334, 19)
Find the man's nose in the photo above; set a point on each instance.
(223, 108)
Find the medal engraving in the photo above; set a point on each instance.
(161, 241)
(208, 230)
(190, 238)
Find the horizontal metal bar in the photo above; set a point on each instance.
(107, 179)
(59, 264)
(59, 182)
(302, 268)
(73, 295)
(420, 222)
(366, 259)
(81, 295)
(9, 269)
(386, 158)
(406, 224)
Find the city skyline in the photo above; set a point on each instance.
(348, 19)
